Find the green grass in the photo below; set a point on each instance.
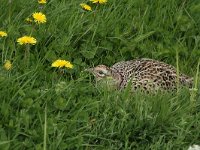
(47, 108)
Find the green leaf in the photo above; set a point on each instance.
(88, 54)
(51, 55)
(143, 36)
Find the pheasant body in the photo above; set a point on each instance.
(145, 74)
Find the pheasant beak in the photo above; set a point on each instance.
(89, 70)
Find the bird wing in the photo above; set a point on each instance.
(143, 70)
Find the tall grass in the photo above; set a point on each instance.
(46, 108)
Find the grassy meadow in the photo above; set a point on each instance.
(43, 107)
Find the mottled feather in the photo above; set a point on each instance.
(146, 74)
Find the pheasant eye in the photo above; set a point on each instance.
(101, 72)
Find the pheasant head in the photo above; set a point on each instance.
(105, 74)
(101, 72)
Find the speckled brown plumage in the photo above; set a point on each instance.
(145, 74)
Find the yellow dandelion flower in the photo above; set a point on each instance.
(99, 1)
(29, 20)
(3, 34)
(26, 40)
(85, 6)
(39, 17)
(61, 63)
(42, 1)
(7, 65)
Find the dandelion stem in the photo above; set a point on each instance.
(33, 28)
(3, 50)
(27, 55)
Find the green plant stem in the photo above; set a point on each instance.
(197, 75)
(27, 55)
(195, 88)
(9, 14)
(177, 71)
(45, 129)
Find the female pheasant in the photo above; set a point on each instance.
(146, 74)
